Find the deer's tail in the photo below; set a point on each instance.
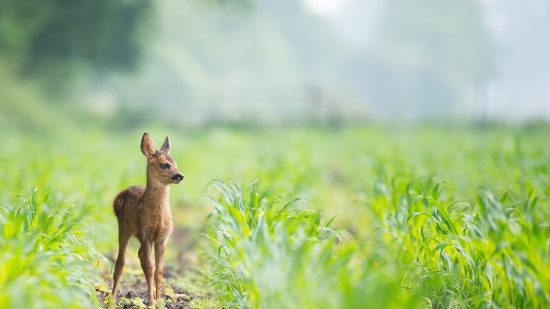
(118, 203)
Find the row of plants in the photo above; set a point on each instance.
(423, 249)
(45, 259)
(402, 237)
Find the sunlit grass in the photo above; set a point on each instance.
(271, 253)
(427, 216)
(490, 252)
(44, 262)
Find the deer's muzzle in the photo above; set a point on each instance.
(177, 178)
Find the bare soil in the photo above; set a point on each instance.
(133, 288)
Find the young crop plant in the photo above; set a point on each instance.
(491, 253)
(44, 263)
(407, 240)
(271, 253)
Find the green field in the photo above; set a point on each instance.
(352, 216)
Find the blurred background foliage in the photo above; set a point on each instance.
(41, 36)
(288, 61)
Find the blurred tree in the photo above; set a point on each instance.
(428, 58)
(215, 61)
(52, 37)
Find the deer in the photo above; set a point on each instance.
(144, 212)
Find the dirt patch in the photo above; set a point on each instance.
(137, 298)
(132, 293)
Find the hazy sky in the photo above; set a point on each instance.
(326, 8)
(520, 88)
(281, 63)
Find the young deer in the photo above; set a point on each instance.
(144, 212)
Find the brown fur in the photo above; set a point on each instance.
(144, 212)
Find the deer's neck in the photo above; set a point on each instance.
(156, 194)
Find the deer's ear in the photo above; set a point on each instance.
(166, 146)
(147, 145)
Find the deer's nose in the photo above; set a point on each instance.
(177, 177)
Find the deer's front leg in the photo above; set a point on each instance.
(148, 268)
(159, 255)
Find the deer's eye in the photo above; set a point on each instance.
(164, 166)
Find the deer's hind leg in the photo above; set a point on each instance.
(123, 239)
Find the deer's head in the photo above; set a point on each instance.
(161, 167)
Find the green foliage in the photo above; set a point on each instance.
(476, 255)
(23, 108)
(50, 36)
(428, 216)
(44, 262)
(271, 253)
(412, 239)
(275, 254)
